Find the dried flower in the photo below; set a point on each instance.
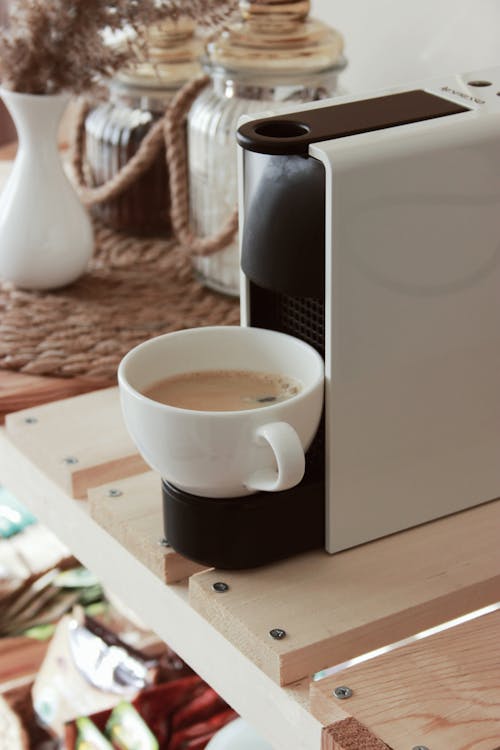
(51, 46)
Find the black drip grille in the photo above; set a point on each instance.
(303, 317)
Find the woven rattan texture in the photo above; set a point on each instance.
(135, 289)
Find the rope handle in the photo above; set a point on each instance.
(176, 154)
(170, 130)
(126, 176)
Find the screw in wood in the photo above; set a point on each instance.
(342, 692)
(114, 492)
(420, 747)
(70, 460)
(277, 633)
(30, 420)
(164, 542)
(220, 587)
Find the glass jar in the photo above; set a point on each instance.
(114, 130)
(274, 56)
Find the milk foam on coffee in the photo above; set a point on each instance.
(223, 390)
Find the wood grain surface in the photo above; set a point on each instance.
(19, 391)
(135, 519)
(80, 442)
(336, 607)
(441, 692)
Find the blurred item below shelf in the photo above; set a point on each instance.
(13, 516)
(25, 557)
(66, 651)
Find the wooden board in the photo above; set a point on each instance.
(7, 154)
(135, 519)
(20, 391)
(350, 734)
(442, 692)
(334, 608)
(79, 442)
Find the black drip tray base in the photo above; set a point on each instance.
(245, 532)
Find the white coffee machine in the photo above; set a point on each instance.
(370, 227)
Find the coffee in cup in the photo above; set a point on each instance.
(223, 390)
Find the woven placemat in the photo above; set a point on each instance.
(135, 289)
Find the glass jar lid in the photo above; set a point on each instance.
(170, 57)
(276, 37)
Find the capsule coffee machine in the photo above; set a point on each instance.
(370, 228)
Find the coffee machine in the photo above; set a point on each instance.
(370, 228)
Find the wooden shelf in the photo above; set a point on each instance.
(332, 608)
(279, 715)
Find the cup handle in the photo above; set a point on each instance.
(290, 459)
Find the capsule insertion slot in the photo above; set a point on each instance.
(282, 129)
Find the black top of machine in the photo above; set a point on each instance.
(293, 133)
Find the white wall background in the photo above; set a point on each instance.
(400, 41)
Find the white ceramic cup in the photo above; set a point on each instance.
(223, 453)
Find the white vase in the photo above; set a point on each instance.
(46, 236)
